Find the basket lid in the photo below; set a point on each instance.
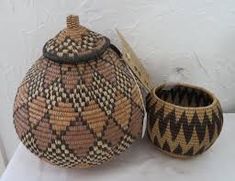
(75, 44)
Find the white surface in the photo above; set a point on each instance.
(194, 39)
(2, 158)
(142, 162)
(2, 164)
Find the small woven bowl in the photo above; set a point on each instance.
(183, 120)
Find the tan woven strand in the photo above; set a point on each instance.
(72, 22)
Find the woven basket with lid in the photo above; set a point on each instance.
(78, 105)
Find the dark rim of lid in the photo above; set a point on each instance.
(75, 44)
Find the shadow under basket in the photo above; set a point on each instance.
(183, 120)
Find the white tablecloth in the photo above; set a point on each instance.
(141, 162)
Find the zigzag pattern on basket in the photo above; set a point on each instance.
(185, 132)
(184, 96)
(78, 115)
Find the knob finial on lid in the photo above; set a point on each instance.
(75, 44)
(72, 22)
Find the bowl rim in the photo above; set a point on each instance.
(211, 105)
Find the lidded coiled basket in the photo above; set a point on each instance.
(79, 104)
(183, 120)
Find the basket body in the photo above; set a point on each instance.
(184, 121)
(78, 114)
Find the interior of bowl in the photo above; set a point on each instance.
(184, 95)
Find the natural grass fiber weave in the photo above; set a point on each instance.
(183, 120)
(78, 105)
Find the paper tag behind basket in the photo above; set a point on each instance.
(140, 73)
(134, 63)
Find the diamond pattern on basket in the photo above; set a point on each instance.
(78, 104)
(99, 153)
(123, 82)
(103, 92)
(29, 141)
(59, 154)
